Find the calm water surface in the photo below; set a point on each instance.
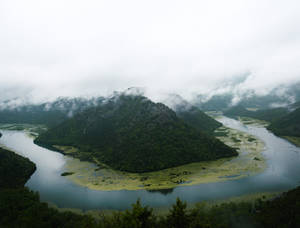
(283, 173)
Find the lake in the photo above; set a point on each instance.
(282, 173)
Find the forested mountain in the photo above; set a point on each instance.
(15, 170)
(134, 134)
(214, 103)
(280, 96)
(192, 115)
(288, 125)
(48, 113)
(269, 115)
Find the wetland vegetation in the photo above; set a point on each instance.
(100, 177)
(281, 121)
(21, 207)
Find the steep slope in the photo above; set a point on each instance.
(214, 103)
(15, 170)
(192, 115)
(289, 125)
(134, 134)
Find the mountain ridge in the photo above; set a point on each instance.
(134, 134)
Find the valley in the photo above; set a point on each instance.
(228, 177)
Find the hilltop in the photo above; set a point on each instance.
(134, 134)
(192, 115)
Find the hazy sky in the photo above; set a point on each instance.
(68, 47)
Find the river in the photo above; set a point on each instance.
(282, 173)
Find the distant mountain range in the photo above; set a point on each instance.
(54, 113)
(270, 115)
(132, 133)
(48, 113)
(280, 96)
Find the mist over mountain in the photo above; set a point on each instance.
(139, 86)
(269, 115)
(48, 113)
(280, 96)
(191, 114)
(132, 133)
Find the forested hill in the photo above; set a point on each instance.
(288, 125)
(15, 170)
(48, 113)
(192, 115)
(263, 114)
(134, 134)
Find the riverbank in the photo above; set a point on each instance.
(31, 130)
(162, 211)
(250, 161)
(253, 122)
(293, 140)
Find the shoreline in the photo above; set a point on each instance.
(249, 162)
(292, 139)
(247, 198)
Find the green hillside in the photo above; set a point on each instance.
(263, 114)
(192, 115)
(132, 133)
(289, 125)
(14, 169)
(49, 113)
(199, 120)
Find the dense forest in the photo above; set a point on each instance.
(21, 207)
(14, 169)
(48, 113)
(288, 125)
(134, 134)
(191, 114)
(54, 113)
(269, 115)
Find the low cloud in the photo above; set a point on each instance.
(74, 48)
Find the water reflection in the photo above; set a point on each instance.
(163, 191)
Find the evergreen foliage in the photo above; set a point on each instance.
(198, 119)
(191, 114)
(269, 115)
(14, 169)
(49, 113)
(132, 133)
(288, 125)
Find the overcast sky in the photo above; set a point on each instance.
(68, 47)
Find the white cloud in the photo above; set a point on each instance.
(63, 47)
